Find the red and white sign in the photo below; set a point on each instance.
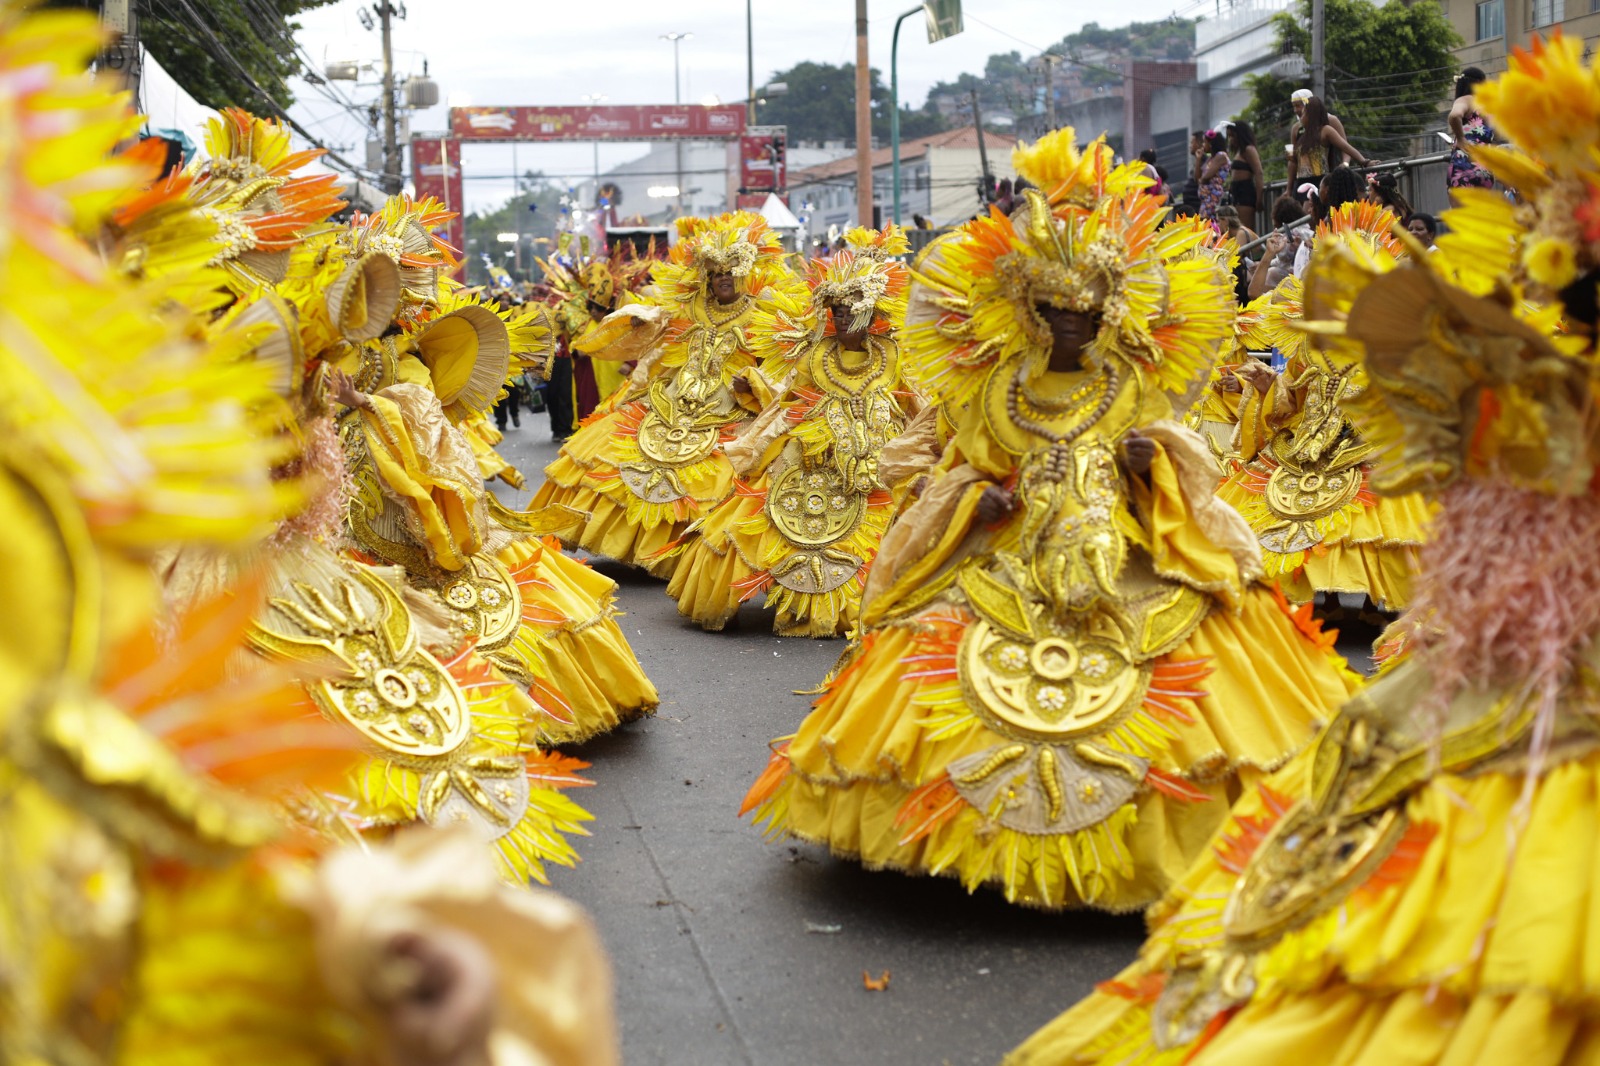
(764, 160)
(607, 123)
(436, 172)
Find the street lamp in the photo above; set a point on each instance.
(677, 97)
(595, 100)
(943, 20)
(677, 38)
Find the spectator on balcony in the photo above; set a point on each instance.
(1298, 100)
(1248, 187)
(1468, 126)
(1319, 144)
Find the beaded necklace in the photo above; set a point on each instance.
(1057, 462)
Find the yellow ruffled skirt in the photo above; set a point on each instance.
(1369, 547)
(482, 437)
(728, 557)
(587, 678)
(603, 516)
(867, 774)
(1482, 949)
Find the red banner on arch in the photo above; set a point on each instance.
(641, 122)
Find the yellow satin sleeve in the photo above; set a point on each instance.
(428, 467)
(1163, 524)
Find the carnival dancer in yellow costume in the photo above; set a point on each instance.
(1298, 471)
(586, 288)
(630, 481)
(813, 497)
(448, 737)
(1068, 671)
(157, 904)
(546, 621)
(1420, 887)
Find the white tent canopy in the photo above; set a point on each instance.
(778, 215)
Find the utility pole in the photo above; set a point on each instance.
(983, 150)
(863, 120)
(677, 98)
(391, 130)
(1319, 68)
(123, 56)
(749, 64)
(1050, 62)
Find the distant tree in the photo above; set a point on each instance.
(257, 34)
(821, 106)
(1389, 69)
(534, 210)
(1169, 38)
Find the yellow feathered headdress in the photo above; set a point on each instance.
(1087, 242)
(1548, 105)
(739, 243)
(589, 277)
(865, 278)
(1461, 380)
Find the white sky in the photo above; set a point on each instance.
(526, 52)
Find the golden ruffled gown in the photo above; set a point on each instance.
(157, 904)
(651, 459)
(978, 732)
(631, 480)
(1419, 887)
(1301, 475)
(816, 476)
(546, 621)
(811, 504)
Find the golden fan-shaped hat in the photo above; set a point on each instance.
(467, 351)
(363, 300)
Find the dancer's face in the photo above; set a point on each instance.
(724, 289)
(1071, 332)
(851, 339)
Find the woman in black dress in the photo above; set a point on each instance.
(1247, 186)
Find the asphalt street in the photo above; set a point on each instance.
(729, 949)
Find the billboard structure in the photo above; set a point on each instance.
(436, 172)
(643, 122)
(761, 167)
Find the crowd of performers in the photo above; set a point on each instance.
(288, 719)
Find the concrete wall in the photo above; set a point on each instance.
(1093, 116)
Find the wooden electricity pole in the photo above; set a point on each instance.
(863, 120)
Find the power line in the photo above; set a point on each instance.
(219, 52)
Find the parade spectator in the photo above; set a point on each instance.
(1248, 187)
(1424, 227)
(1298, 101)
(1282, 246)
(1384, 190)
(1468, 126)
(1319, 144)
(1148, 158)
(1212, 168)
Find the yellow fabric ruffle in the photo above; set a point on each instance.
(482, 438)
(1489, 952)
(862, 751)
(712, 573)
(586, 659)
(1369, 549)
(607, 518)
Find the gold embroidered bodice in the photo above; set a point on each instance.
(1069, 615)
(821, 482)
(1315, 455)
(687, 409)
